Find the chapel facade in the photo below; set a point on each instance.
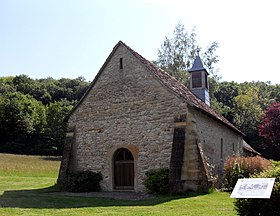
(135, 117)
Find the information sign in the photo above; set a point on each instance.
(253, 188)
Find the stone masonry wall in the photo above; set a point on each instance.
(218, 141)
(193, 176)
(208, 133)
(126, 108)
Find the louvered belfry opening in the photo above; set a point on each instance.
(123, 170)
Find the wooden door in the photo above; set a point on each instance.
(124, 170)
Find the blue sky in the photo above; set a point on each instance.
(71, 38)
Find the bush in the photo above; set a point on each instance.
(81, 181)
(266, 207)
(157, 181)
(242, 167)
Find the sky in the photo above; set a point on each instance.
(72, 38)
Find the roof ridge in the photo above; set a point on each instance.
(167, 80)
(179, 88)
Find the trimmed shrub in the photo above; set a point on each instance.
(242, 167)
(252, 207)
(157, 181)
(81, 181)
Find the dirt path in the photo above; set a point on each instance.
(110, 195)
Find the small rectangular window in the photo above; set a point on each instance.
(222, 148)
(121, 63)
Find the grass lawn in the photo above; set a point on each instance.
(26, 189)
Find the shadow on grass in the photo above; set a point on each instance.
(46, 198)
(52, 158)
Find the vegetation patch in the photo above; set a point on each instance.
(242, 167)
(28, 166)
(81, 181)
(157, 181)
(267, 207)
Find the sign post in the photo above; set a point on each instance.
(253, 188)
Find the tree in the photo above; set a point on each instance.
(48, 90)
(275, 92)
(23, 84)
(248, 110)
(26, 85)
(32, 112)
(223, 96)
(54, 132)
(269, 130)
(247, 113)
(178, 52)
(21, 116)
(72, 89)
(6, 85)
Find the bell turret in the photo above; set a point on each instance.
(199, 81)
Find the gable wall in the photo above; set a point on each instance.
(126, 108)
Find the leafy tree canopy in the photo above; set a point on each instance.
(178, 52)
(269, 130)
(20, 116)
(32, 113)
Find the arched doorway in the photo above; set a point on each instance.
(123, 170)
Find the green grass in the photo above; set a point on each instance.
(26, 188)
(28, 166)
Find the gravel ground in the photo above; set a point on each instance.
(110, 195)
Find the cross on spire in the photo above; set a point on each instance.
(197, 51)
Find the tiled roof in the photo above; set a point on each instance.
(247, 147)
(180, 89)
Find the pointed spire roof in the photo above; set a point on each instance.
(197, 65)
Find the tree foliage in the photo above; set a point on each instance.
(32, 113)
(269, 130)
(178, 52)
(54, 133)
(224, 94)
(244, 106)
(21, 117)
(247, 110)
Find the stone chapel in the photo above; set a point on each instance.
(135, 117)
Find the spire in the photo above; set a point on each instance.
(197, 64)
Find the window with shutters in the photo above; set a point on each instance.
(196, 80)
